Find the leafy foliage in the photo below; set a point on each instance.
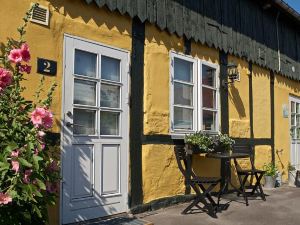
(270, 169)
(209, 143)
(29, 171)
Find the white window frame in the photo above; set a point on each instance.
(217, 88)
(195, 81)
(197, 95)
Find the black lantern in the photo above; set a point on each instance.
(232, 74)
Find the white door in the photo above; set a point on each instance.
(295, 131)
(95, 131)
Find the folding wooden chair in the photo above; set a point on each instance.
(197, 184)
(250, 172)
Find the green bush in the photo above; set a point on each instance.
(29, 172)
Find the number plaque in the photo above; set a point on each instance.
(46, 66)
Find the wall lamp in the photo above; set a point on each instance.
(232, 74)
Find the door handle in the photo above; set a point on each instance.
(68, 124)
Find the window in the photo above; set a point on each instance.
(194, 95)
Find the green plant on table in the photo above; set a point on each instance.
(270, 169)
(223, 141)
(200, 140)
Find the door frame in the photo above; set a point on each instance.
(293, 98)
(62, 122)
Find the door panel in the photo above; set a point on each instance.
(95, 131)
(110, 170)
(295, 131)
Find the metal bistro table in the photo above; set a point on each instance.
(227, 178)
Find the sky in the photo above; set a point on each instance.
(294, 4)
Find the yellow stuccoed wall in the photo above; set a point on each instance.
(238, 101)
(70, 17)
(158, 161)
(283, 89)
(261, 102)
(157, 78)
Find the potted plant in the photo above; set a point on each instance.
(203, 142)
(270, 175)
(291, 174)
(222, 143)
(200, 142)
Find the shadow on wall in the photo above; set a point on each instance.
(92, 13)
(236, 100)
(293, 85)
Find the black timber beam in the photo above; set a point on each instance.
(272, 99)
(136, 112)
(223, 58)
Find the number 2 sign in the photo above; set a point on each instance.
(46, 66)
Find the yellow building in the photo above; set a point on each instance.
(135, 76)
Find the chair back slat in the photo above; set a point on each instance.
(245, 148)
(181, 159)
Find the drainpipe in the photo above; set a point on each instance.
(278, 43)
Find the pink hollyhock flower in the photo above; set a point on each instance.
(25, 52)
(15, 153)
(27, 174)
(5, 198)
(15, 55)
(43, 146)
(48, 120)
(25, 68)
(42, 117)
(15, 165)
(5, 78)
(37, 116)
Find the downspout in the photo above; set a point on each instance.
(278, 42)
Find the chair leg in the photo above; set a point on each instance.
(258, 185)
(193, 204)
(201, 198)
(222, 189)
(243, 187)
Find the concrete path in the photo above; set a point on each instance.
(281, 208)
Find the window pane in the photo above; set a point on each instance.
(183, 94)
(84, 92)
(297, 108)
(298, 121)
(110, 96)
(110, 68)
(84, 121)
(183, 70)
(85, 63)
(292, 107)
(208, 76)
(183, 118)
(293, 122)
(208, 98)
(293, 132)
(109, 123)
(298, 133)
(209, 122)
